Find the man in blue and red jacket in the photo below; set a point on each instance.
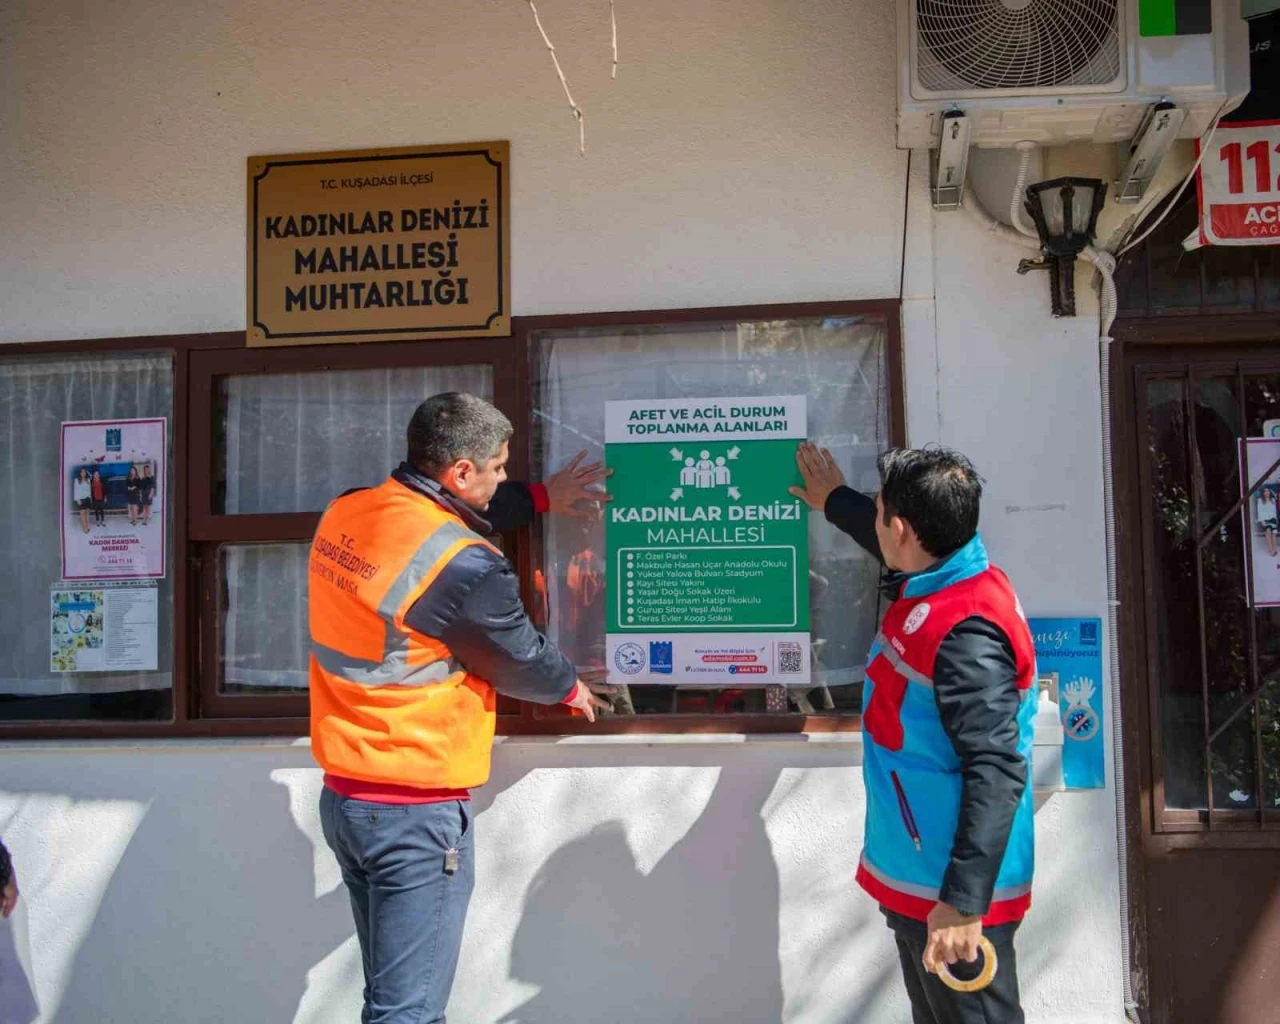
(948, 703)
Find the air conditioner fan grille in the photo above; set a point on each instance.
(969, 45)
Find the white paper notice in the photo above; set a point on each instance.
(104, 629)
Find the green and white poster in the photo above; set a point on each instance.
(707, 552)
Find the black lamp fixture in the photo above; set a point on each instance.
(1065, 213)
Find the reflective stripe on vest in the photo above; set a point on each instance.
(925, 892)
(900, 666)
(393, 668)
(910, 674)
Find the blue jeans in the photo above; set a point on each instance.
(409, 869)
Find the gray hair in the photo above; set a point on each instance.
(453, 426)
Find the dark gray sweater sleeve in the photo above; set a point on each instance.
(975, 687)
(854, 513)
(474, 607)
(511, 507)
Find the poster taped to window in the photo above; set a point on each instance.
(112, 628)
(112, 490)
(707, 553)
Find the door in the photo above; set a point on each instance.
(1200, 676)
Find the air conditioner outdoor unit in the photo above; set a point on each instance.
(1057, 71)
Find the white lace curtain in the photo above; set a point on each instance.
(36, 396)
(293, 442)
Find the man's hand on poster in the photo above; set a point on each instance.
(820, 473)
(578, 483)
(953, 936)
(586, 701)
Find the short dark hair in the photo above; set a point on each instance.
(934, 489)
(452, 426)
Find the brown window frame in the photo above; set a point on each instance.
(210, 529)
(200, 360)
(537, 720)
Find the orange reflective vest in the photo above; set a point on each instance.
(389, 704)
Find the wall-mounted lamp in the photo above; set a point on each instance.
(1065, 213)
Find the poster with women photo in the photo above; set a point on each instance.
(112, 486)
(1260, 478)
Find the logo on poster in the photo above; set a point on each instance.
(115, 440)
(660, 657)
(629, 658)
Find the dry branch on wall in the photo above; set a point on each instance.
(573, 107)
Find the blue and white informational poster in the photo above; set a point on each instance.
(1070, 650)
(106, 628)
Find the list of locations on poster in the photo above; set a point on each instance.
(707, 550)
(709, 586)
(105, 628)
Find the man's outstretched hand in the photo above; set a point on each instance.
(586, 701)
(574, 483)
(820, 473)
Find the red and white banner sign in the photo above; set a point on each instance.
(1239, 185)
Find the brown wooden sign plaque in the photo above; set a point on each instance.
(379, 245)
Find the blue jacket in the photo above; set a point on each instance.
(948, 709)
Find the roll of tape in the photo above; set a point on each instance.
(989, 965)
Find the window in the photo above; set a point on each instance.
(841, 362)
(260, 440)
(291, 442)
(1213, 660)
(288, 433)
(37, 395)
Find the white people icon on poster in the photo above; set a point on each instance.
(705, 472)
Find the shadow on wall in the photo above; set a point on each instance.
(705, 889)
(700, 932)
(621, 955)
(212, 911)
(726, 926)
(17, 1000)
(696, 936)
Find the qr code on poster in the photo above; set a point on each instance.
(790, 659)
